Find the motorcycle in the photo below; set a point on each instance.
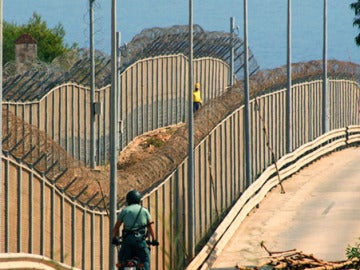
(133, 263)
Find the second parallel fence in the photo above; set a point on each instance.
(154, 94)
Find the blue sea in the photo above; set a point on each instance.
(267, 23)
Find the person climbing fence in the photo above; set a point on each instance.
(197, 101)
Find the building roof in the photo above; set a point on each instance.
(25, 39)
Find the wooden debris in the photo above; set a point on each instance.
(297, 260)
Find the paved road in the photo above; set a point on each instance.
(319, 214)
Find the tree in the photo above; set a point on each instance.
(356, 7)
(10, 33)
(50, 42)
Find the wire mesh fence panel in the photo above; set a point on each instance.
(158, 82)
(32, 175)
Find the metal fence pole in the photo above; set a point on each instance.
(1, 90)
(288, 115)
(113, 135)
(191, 184)
(325, 109)
(92, 87)
(119, 95)
(246, 94)
(232, 50)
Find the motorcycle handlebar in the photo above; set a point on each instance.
(152, 243)
(117, 242)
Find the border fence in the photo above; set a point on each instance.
(40, 218)
(154, 96)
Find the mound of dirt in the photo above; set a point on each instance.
(151, 157)
(142, 147)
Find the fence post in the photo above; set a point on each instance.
(232, 50)
(1, 90)
(113, 135)
(325, 107)
(92, 87)
(246, 94)
(191, 194)
(288, 116)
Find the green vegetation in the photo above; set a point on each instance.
(50, 42)
(156, 142)
(353, 251)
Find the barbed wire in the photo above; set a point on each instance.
(32, 146)
(74, 66)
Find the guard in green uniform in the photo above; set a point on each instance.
(137, 222)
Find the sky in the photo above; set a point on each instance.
(267, 23)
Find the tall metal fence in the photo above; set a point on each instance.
(41, 219)
(153, 95)
(220, 158)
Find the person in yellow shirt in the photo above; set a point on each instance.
(197, 101)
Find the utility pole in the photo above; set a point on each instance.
(1, 90)
(289, 83)
(325, 110)
(92, 87)
(113, 134)
(191, 184)
(246, 95)
(232, 50)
